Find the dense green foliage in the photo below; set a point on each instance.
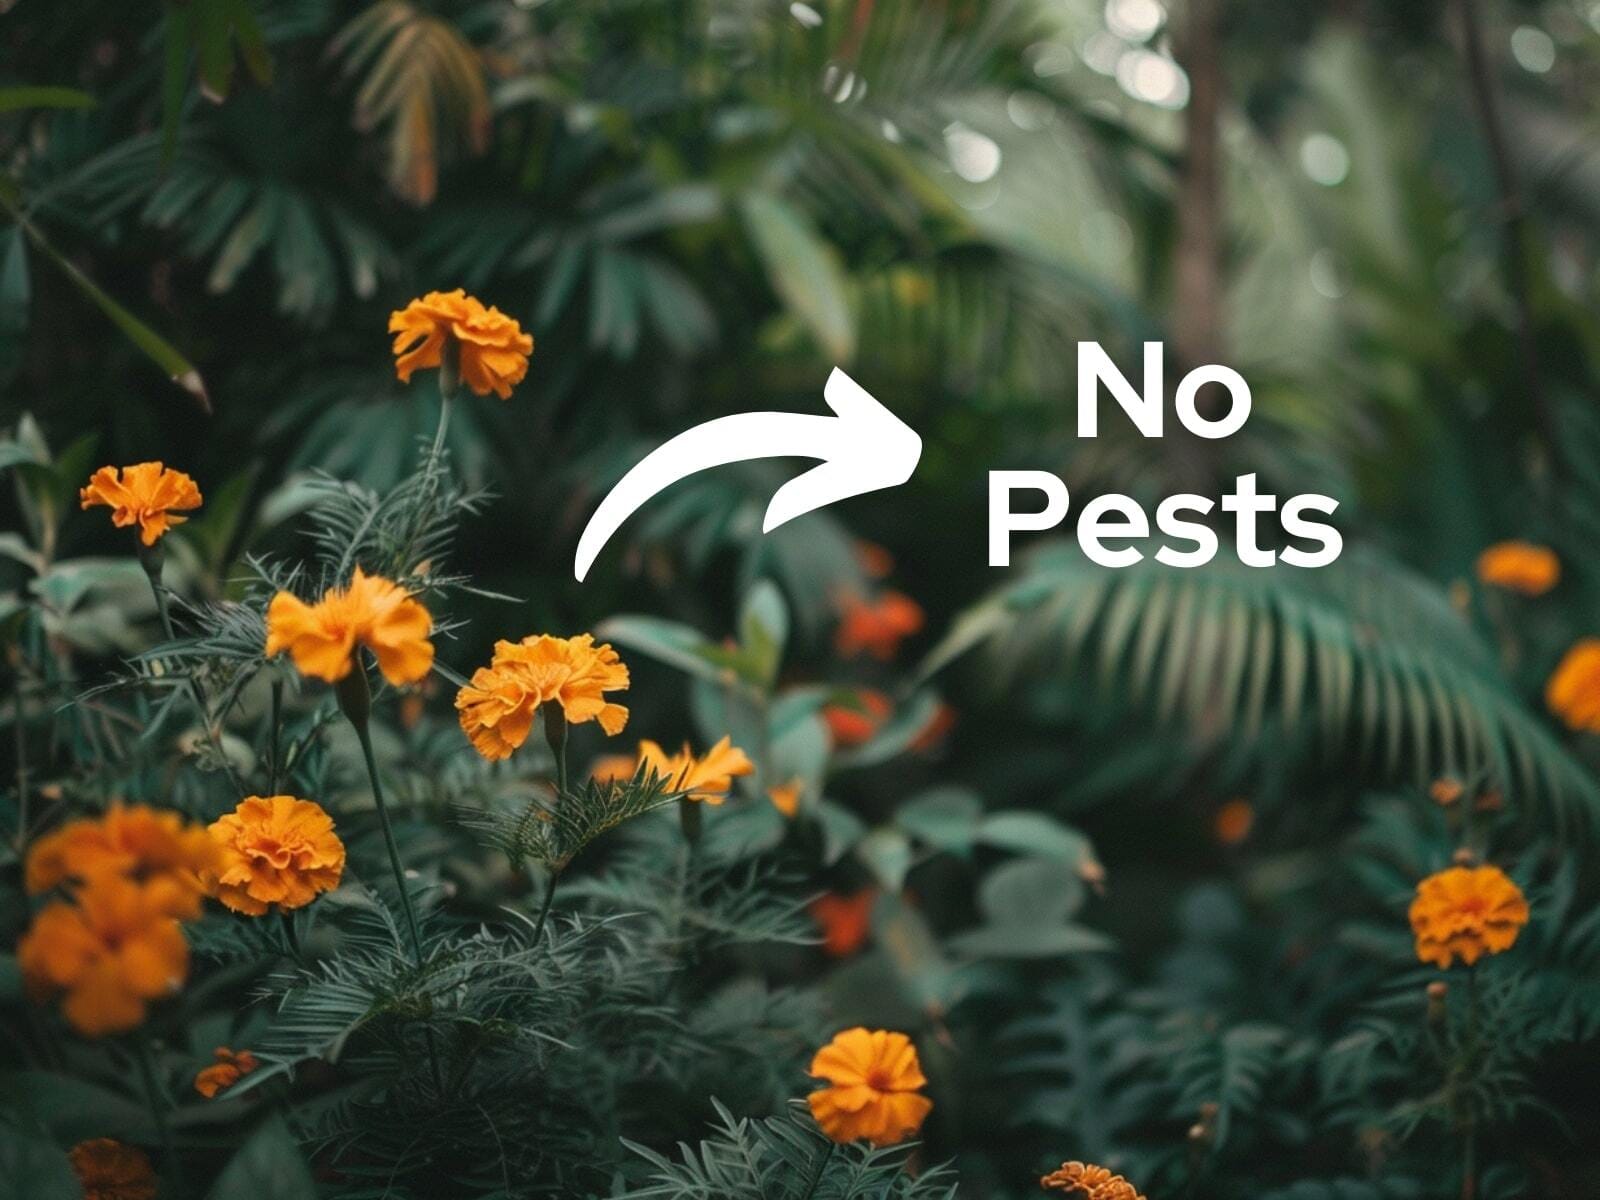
(208, 210)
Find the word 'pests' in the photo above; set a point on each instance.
(1115, 518)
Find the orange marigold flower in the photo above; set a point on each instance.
(874, 1079)
(1465, 913)
(493, 351)
(497, 708)
(850, 725)
(230, 1067)
(876, 627)
(275, 850)
(785, 797)
(1089, 1182)
(873, 559)
(114, 950)
(845, 920)
(706, 778)
(109, 1170)
(151, 846)
(146, 494)
(1573, 692)
(614, 768)
(1445, 791)
(1233, 822)
(370, 611)
(1520, 567)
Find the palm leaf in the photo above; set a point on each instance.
(1361, 663)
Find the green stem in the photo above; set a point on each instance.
(290, 937)
(355, 698)
(158, 1109)
(555, 735)
(277, 731)
(389, 841)
(152, 558)
(822, 1168)
(549, 898)
(20, 731)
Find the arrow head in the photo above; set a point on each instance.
(872, 449)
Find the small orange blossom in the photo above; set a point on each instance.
(146, 494)
(874, 1080)
(370, 611)
(491, 347)
(1466, 912)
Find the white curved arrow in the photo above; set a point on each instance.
(864, 448)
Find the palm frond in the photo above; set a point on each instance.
(1360, 661)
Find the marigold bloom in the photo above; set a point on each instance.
(874, 1079)
(1573, 692)
(845, 920)
(1466, 912)
(493, 351)
(370, 611)
(850, 725)
(1445, 791)
(111, 953)
(876, 627)
(275, 850)
(785, 797)
(1520, 567)
(873, 559)
(497, 708)
(159, 848)
(1233, 822)
(109, 1170)
(1089, 1182)
(706, 778)
(614, 768)
(230, 1067)
(146, 494)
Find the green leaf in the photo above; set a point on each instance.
(804, 271)
(35, 1168)
(946, 818)
(763, 630)
(1029, 941)
(271, 1166)
(1036, 834)
(72, 1109)
(1030, 891)
(677, 645)
(13, 98)
(887, 853)
(156, 348)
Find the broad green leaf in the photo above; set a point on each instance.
(804, 271)
(1028, 941)
(271, 1166)
(33, 1167)
(1035, 833)
(1030, 891)
(887, 854)
(945, 818)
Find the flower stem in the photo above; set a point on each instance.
(355, 699)
(158, 1108)
(549, 898)
(152, 558)
(277, 732)
(822, 1169)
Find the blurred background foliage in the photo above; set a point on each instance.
(698, 207)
